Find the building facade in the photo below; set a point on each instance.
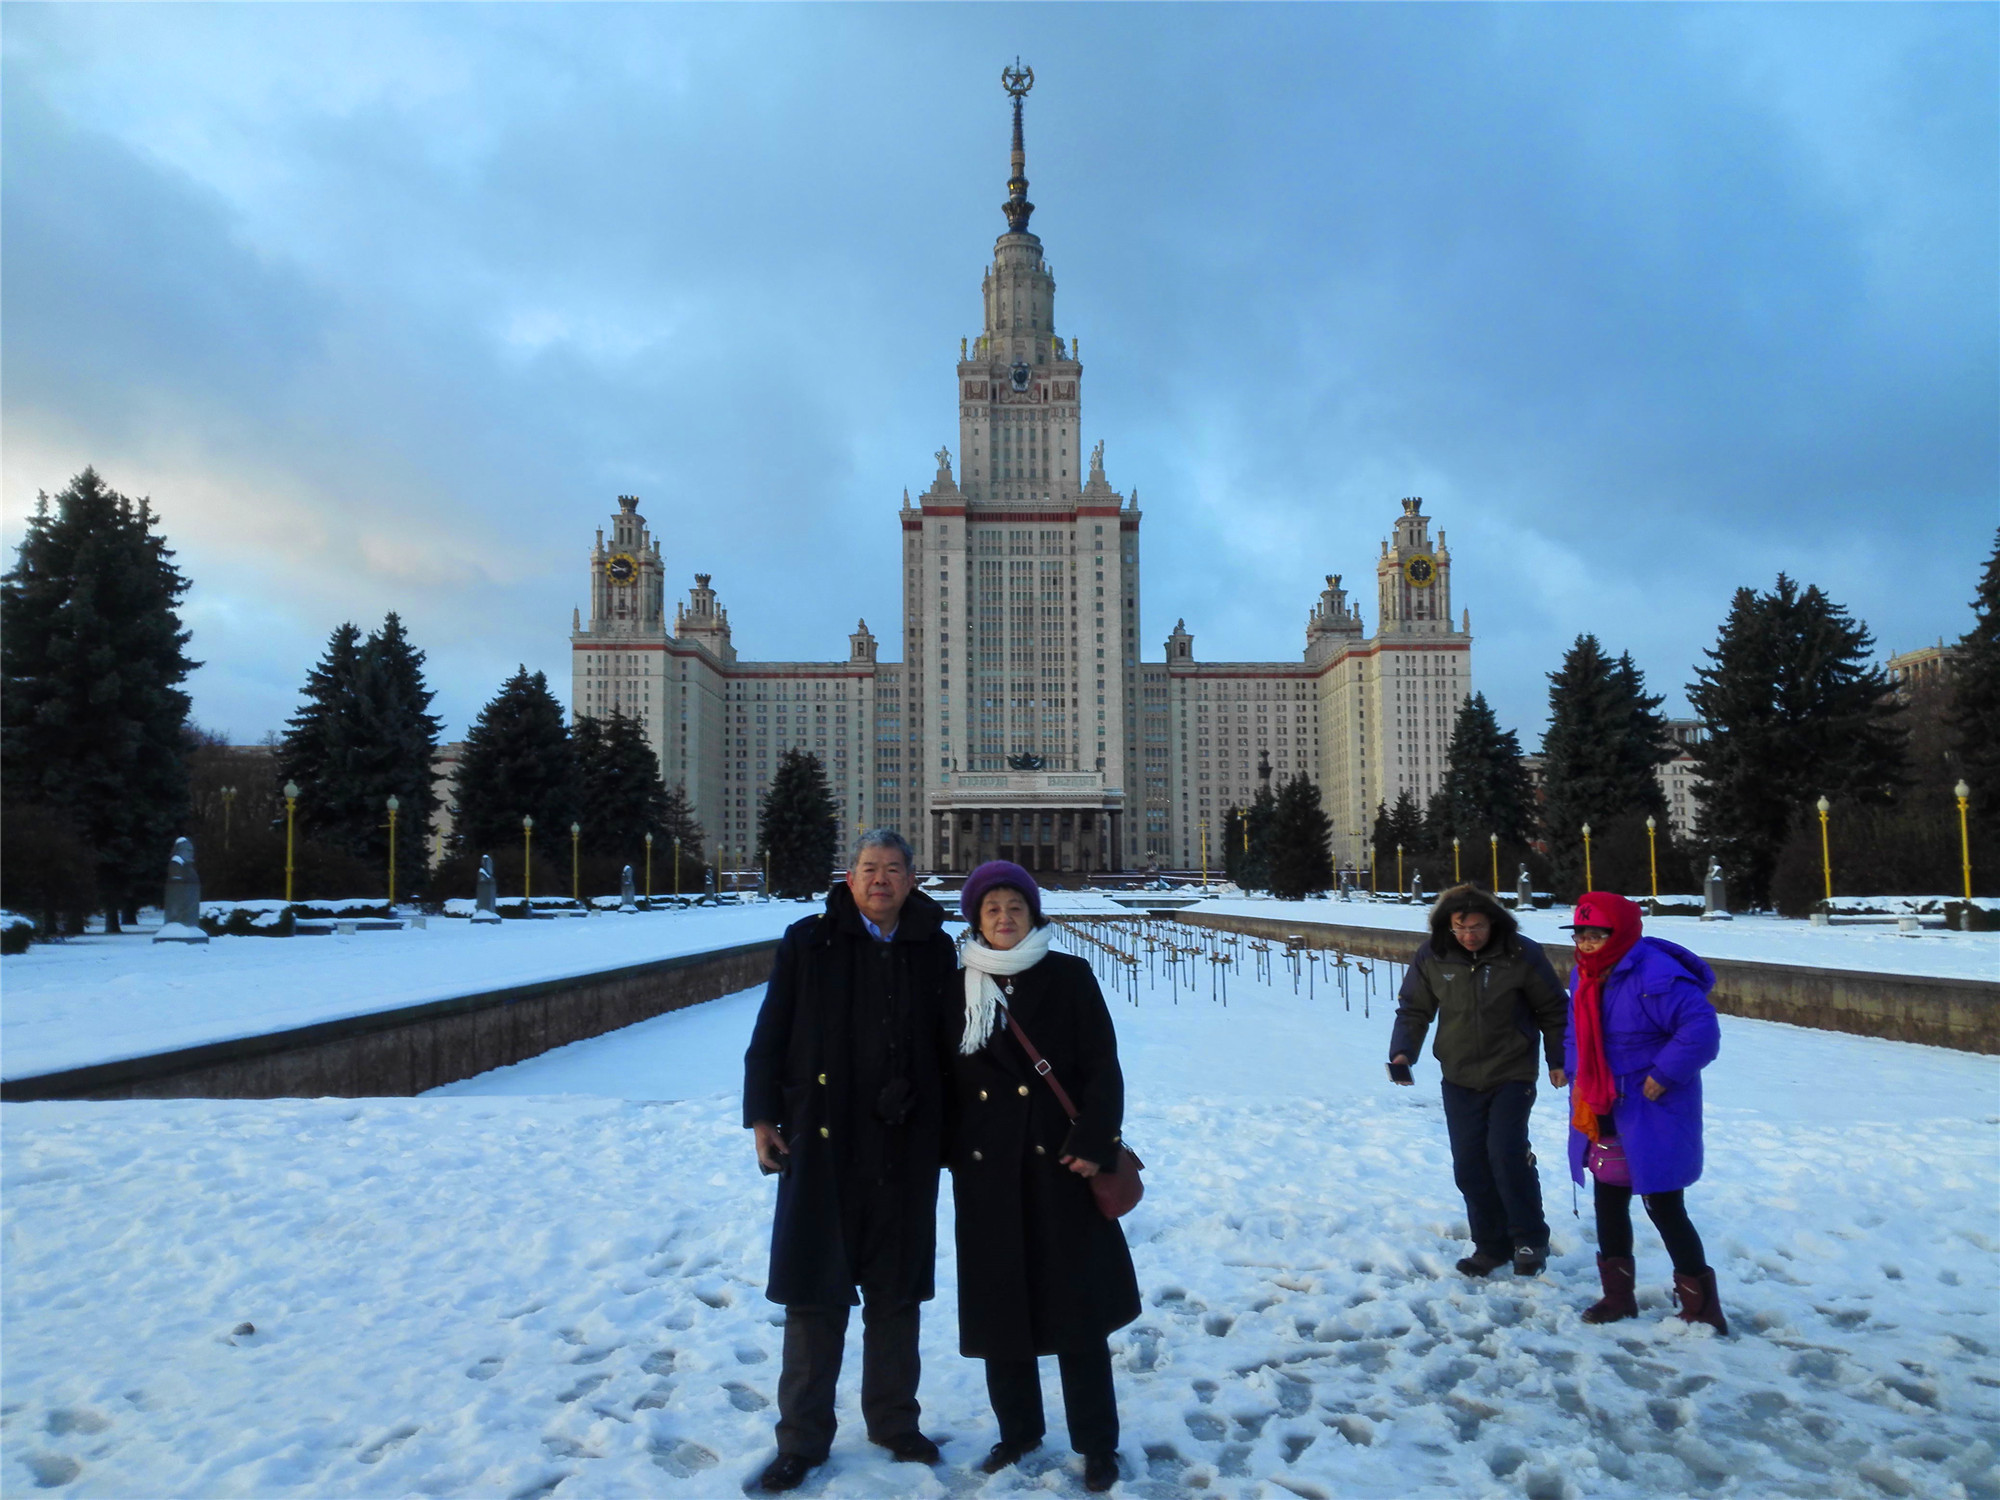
(1022, 721)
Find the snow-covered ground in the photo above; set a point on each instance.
(97, 999)
(548, 1281)
(1872, 947)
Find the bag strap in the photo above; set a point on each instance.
(1041, 1064)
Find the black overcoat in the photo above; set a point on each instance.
(797, 1074)
(1040, 1270)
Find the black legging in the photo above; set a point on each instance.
(1669, 1216)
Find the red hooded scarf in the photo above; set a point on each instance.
(1594, 1090)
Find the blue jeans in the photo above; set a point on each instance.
(1493, 1167)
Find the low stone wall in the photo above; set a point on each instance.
(406, 1051)
(1958, 1013)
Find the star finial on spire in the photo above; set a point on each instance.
(1017, 80)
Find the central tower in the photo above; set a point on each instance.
(1021, 588)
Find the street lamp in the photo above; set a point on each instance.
(649, 869)
(393, 806)
(677, 863)
(291, 808)
(228, 806)
(1399, 872)
(1455, 876)
(1204, 854)
(1963, 792)
(1825, 854)
(527, 858)
(1652, 857)
(1493, 843)
(1589, 884)
(575, 880)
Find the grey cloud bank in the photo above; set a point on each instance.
(383, 306)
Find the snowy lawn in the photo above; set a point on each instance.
(98, 999)
(493, 1291)
(1873, 948)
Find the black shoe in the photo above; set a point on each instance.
(909, 1448)
(1479, 1263)
(1100, 1472)
(1003, 1455)
(785, 1472)
(1529, 1260)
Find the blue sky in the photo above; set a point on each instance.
(385, 305)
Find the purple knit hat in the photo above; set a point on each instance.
(993, 873)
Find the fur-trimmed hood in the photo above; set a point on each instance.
(1467, 897)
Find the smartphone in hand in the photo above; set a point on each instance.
(1400, 1073)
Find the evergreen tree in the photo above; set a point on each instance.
(518, 763)
(1605, 739)
(1235, 845)
(1795, 710)
(677, 821)
(1263, 812)
(797, 826)
(1485, 785)
(1975, 713)
(91, 660)
(318, 750)
(620, 797)
(1301, 851)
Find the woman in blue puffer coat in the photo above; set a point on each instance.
(1641, 1029)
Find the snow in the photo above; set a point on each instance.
(548, 1281)
(1758, 938)
(98, 999)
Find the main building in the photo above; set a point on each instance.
(1023, 722)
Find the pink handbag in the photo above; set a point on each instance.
(1607, 1163)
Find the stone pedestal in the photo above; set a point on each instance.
(627, 900)
(487, 905)
(183, 901)
(1714, 894)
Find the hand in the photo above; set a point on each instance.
(1558, 1079)
(771, 1147)
(1081, 1167)
(1402, 1059)
(1653, 1087)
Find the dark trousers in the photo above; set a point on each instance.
(815, 1338)
(1669, 1214)
(1492, 1165)
(1090, 1406)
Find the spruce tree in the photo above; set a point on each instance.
(620, 797)
(1235, 845)
(1301, 851)
(797, 826)
(1601, 749)
(1975, 711)
(91, 659)
(318, 750)
(1262, 814)
(1795, 710)
(677, 821)
(1485, 785)
(517, 763)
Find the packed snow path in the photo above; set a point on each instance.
(499, 1292)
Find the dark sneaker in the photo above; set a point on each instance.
(909, 1448)
(1530, 1259)
(1005, 1455)
(1100, 1472)
(785, 1472)
(1479, 1263)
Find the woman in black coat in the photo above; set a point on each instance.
(1040, 1269)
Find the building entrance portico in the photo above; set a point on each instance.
(1046, 822)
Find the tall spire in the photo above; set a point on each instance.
(1017, 80)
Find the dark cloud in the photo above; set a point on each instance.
(386, 304)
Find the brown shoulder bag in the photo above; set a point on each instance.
(1116, 1186)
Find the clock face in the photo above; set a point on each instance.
(1019, 375)
(620, 568)
(1421, 570)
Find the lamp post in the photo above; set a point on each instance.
(1589, 884)
(575, 877)
(1455, 876)
(649, 868)
(1825, 853)
(1652, 856)
(394, 805)
(1399, 871)
(1204, 854)
(291, 808)
(527, 857)
(1493, 843)
(228, 806)
(677, 866)
(1963, 793)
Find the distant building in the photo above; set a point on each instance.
(1677, 776)
(445, 761)
(1925, 667)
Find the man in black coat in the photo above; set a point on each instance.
(1494, 996)
(843, 1085)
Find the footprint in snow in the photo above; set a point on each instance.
(69, 1419)
(659, 1362)
(486, 1368)
(750, 1354)
(681, 1458)
(1206, 1427)
(594, 1356)
(743, 1398)
(375, 1451)
(582, 1388)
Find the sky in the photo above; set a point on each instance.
(384, 306)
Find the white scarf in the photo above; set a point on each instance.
(982, 995)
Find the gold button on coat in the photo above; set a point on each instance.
(824, 1132)
(822, 1079)
(976, 1156)
(1024, 1091)
(982, 1095)
(1040, 1151)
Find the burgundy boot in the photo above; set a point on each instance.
(1699, 1304)
(1619, 1277)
